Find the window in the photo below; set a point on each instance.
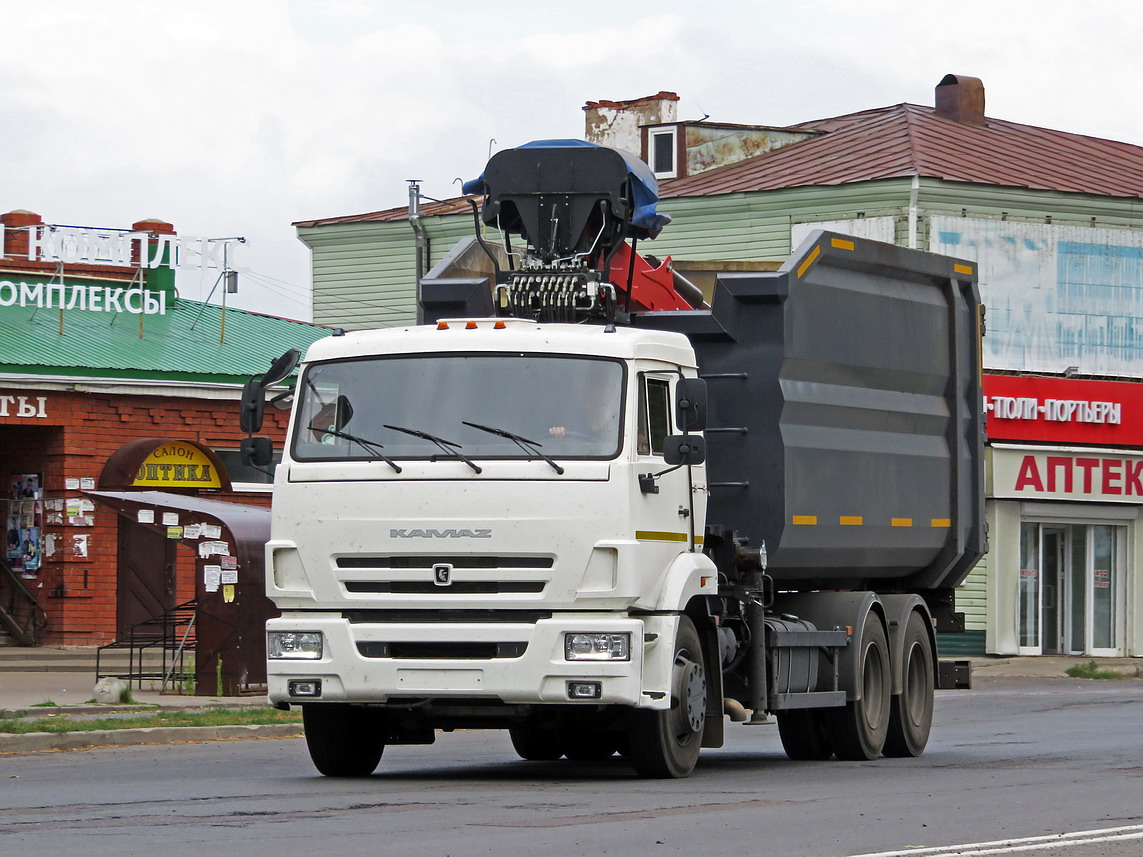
(421, 406)
(662, 153)
(242, 473)
(654, 415)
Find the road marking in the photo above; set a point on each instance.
(1028, 843)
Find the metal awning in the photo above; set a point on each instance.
(248, 525)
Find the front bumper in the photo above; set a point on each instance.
(362, 662)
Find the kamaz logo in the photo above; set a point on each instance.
(440, 534)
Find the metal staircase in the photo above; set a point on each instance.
(21, 616)
(157, 648)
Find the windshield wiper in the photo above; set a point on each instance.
(529, 446)
(368, 445)
(452, 450)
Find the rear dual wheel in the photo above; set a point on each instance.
(911, 711)
(858, 731)
(805, 734)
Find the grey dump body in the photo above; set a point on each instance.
(845, 428)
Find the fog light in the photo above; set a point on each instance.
(585, 689)
(304, 687)
(296, 645)
(597, 647)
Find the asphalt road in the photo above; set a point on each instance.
(1011, 760)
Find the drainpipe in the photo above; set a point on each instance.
(914, 191)
(422, 244)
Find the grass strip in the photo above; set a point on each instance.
(1091, 670)
(247, 716)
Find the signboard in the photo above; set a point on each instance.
(154, 462)
(1066, 474)
(177, 464)
(125, 249)
(23, 407)
(1063, 410)
(1057, 296)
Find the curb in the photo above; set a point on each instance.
(38, 742)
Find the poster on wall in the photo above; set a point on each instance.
(24, 523)
(1059, 297)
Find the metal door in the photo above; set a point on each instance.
(146, 580)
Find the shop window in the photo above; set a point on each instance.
(242, 474)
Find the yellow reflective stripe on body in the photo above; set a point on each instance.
(655, 536)
(802, 268)
(841, 244)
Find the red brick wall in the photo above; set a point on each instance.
(80, 431)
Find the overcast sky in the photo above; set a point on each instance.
(240, 117)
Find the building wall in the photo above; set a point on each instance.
(364, 274)
(73, 440)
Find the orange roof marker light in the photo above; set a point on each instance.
(500, 325)
(442, 325)
(470, 326)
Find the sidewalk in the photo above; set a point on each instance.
(1050, 666)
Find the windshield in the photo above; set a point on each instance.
(459, 405)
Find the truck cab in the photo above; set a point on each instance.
(482, 513)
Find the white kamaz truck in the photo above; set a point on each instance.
(583, 505)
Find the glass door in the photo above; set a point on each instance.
(1104, 564)
(1030, 592)
(1069, 595)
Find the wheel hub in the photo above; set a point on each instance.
(691, 693)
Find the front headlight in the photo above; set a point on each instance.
(597, 647)
(297, 645)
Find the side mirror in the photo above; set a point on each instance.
(684, 449)
(344, 413)
(690, 404)
(253, 406)
(256, 451)
(281, 368)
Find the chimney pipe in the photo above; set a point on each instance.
(961, 99)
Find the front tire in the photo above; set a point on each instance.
(344, 740)
(859, 729)
(665, 744)
(911, 711)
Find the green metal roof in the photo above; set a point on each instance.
(180, 345)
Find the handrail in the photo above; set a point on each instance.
(170, 644)
(20, 612)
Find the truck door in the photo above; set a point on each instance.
(667, 512)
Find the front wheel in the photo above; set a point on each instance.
(344, 740)
(665, 744)
(859, 729)
(911, 712)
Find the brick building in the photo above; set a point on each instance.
(103, 366)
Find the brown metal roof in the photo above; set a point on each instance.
(456, 205)
(907, 140)
(893, 142)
